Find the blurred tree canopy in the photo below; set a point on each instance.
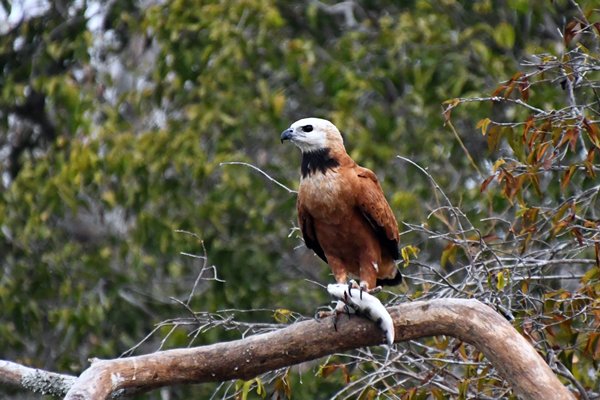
(116, 117)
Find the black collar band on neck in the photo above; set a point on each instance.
(317, 161)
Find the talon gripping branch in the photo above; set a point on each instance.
(365, 304)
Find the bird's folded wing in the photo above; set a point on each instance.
(375, 208)
(307, 227)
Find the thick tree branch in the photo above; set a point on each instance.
(468, 320)
(33, 379)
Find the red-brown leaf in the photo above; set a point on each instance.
(570, 136)
(499, 90)
(577, 233)
(485, 183)
(571, 30)
(567, 178)
(593, 132)
(530, 123)
(524, 88)
(541, 151)
(589, 162)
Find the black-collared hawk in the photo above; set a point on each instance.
(342, 212)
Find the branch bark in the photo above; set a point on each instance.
(469, 320)
(35, 380)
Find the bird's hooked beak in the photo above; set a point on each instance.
(287, 134)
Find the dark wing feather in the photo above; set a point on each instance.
(377, 211)
(307, 227)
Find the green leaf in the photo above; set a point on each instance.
(483, 125)
(282, 315)
(409, 252)
(504, 35)
(494, 135)
(515, 142)
(501, 280)
(449, 255)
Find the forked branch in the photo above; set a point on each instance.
(469, 320)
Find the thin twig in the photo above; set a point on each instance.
(464, 148)
(262, 172)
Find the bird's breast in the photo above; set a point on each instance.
(326, 195)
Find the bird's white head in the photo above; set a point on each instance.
(312, 134)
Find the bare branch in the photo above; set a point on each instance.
(499, 99)
(262, 172)
(464, 148)
(204, 258)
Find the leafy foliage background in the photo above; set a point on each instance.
(116, 117)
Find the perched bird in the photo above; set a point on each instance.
(342, 212)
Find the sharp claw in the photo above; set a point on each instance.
(376, 289)
(363, 288)
(336, 314)
(350, 287)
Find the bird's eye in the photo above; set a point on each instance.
(307, 128)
